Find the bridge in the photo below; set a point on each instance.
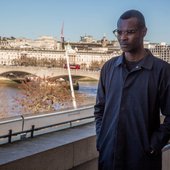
(9, 71)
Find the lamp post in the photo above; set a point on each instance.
(70, 79)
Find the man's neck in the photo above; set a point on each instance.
(135, 56)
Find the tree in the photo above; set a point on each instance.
(83, 66)
(102, 63)
(94, 65)
(4, 108)
(42, 94)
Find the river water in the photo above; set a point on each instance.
(9, 92)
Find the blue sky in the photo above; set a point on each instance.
(34, 18)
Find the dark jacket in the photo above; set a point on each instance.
(127, 113)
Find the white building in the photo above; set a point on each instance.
(75, 57)
(44, 42)
(161, 50)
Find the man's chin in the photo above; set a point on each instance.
(125, 49)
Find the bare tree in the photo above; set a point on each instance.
(42, 94)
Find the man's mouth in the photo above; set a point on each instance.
(123, 45)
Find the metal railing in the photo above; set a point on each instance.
(33, 129)
(167, 147)
(29, 126)
(24, 133)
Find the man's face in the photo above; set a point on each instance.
(130, 35)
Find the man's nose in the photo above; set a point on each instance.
(123, 36)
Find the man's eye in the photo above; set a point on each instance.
(119, 32)
(131, 31)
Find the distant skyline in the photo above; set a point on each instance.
(35, 18)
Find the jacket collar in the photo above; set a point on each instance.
(119, 60)
(146, 63)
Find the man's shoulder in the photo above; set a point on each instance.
(111, 62)
(160, 64)
(159, 61)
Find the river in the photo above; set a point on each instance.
(9, 92)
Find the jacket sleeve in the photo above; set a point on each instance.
(100, 103)
(161, 137)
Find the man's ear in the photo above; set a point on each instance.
(144, 31)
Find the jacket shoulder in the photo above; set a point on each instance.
(110, 63)
(158, 62)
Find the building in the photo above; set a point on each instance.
(161, 50)
(83, 53)
(87, 39)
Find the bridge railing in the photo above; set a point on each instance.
(30, 126)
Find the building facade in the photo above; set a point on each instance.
(83, 53)
(161, 51)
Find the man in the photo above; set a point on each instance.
(133, 90)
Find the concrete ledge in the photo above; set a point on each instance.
(67, 149)
(166, 160)
(72, 149)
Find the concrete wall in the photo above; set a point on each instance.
(68, 149)
(166, 160)
(73, 149)
(77, 156)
